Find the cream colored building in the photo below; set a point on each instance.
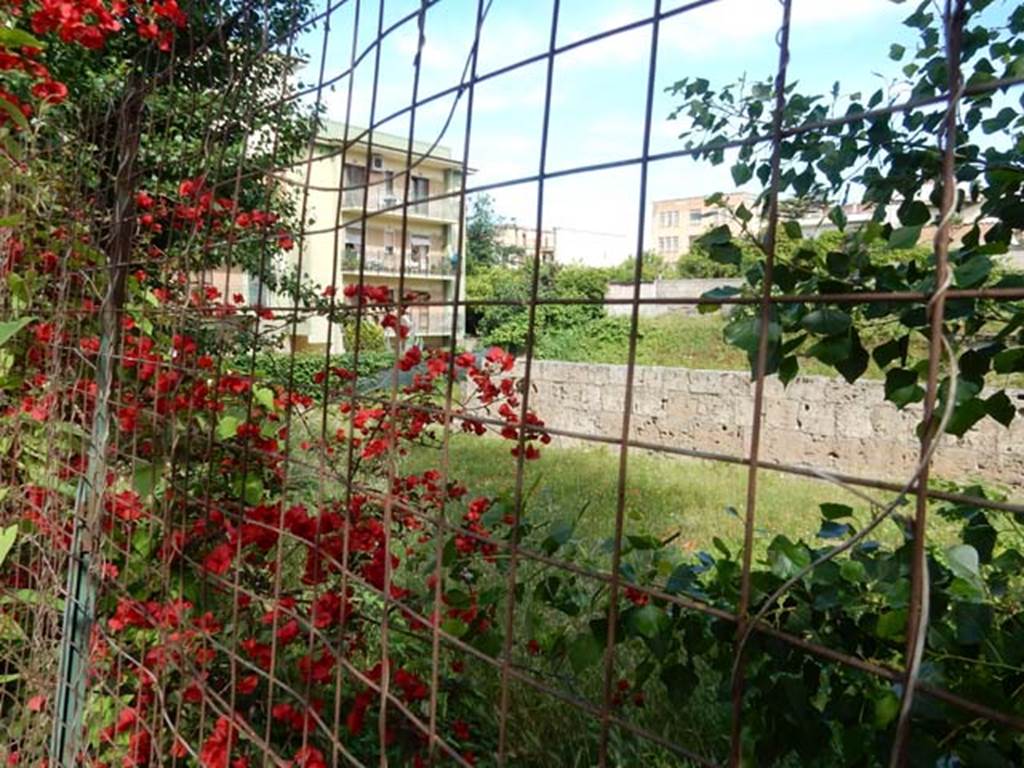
(369, 180)
(522, 243)
(677, 223)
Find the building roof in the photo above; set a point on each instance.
(333, 132)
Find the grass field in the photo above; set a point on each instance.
(671, 340)
(666, 496)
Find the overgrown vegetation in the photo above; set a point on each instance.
(270, 573)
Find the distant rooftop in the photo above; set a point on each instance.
(334, 130)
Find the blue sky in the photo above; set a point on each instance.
(598, 89)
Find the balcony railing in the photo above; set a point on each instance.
(379, 199)
(430, 321)
(381, 261)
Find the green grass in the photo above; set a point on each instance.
(692, 500)
(672, 340)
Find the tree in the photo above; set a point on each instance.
(209, 104)
(483, 243)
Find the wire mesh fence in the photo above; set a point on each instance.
(241, 525)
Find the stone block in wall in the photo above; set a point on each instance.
(613, 398)
(817, 418)
(649, 401)
(853, 419)
(707, 382)
(811, 389)
(778, 413)
(680, 409)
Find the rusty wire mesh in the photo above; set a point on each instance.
(198, 679)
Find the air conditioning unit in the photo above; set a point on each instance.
(378, 162)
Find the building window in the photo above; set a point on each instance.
(389, 241)
(696, 217)
(419, 251)
(661, 243)
(673, 244)
(355, 181)
(420, 191)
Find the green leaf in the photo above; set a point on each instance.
(454, 627)
(742, 173)
(785, 558)
(793, 230)
(973, 621)
(559, 533)
(1009, 360)
(853, 571)
(252, 490)
(893, 349)
(831, 511)
(964, 562)
(826, 322)
(904, 237)
(726, 253)
(646, 621)
(15, 114)
(887, 706)
(11, 327)
(680, 681)
(973, 272)
(717, 236)
(146, 477)
(966, 415)
(901, 387)
(896, 51)
(265, 397)
(892, 625)
(18, 38)
(1000, 121)
(1000, 407)
(227, 427)
(833, 530)
(744, 333)
(7, 538)
(584, 651)
(832, 350)
(915, 213)
(789, 367)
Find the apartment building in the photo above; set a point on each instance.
(521, 243)
(354, 205)
(677, 223)
(360, 192)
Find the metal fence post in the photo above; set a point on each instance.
(80, 601)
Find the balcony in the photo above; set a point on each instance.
(430, 321)
(381, 262)
(384, 203)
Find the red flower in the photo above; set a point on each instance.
(288, 631)
(51, 91)
(126, 505)
(216, 750)
(248, 684)
(219, 559)
(36, 704)
(637, 597)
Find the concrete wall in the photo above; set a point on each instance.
(662, 289)
(819, 421)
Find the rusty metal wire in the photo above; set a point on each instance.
(75, 573)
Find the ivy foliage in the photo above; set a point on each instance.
(891, 158)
